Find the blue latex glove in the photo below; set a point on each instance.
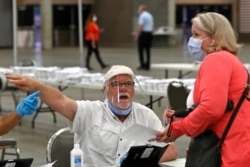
(29, 104)
(123, 157)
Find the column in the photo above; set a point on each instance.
(46, 12)
(172, 39)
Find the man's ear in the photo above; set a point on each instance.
(104, 91)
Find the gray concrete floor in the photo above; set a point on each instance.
(32, 142)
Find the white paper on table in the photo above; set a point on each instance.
(48, 165)
(142, 134)
(180, 162)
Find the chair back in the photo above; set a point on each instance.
(177, 94)
(59, 146)
(9, 143)
(27, 62)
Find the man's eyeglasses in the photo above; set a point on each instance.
(119, 84)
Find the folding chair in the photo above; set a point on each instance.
(59, 146)
(9, 143)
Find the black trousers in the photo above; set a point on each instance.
(144, 45)
(94, 49)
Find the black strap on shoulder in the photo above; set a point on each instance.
(243, 96)
(246, 91)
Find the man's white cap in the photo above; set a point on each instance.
(117, 70)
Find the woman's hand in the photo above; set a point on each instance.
(168, 119)
(102, 30)
(167, 115)
(165, 136)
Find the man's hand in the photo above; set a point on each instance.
(23, 83)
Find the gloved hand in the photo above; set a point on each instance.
(123, 157)
(29, 104)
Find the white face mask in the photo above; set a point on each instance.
(94, 18)
(194, 48)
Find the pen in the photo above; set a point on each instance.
(168, 122)
(167, 119)
(170, 126)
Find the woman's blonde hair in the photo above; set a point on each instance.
(220, 30)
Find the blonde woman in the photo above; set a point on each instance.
(221, 77)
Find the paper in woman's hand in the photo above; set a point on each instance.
(142, 134)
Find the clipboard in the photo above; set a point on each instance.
(23, 162)
(144, 156)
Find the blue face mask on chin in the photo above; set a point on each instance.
(119, 112)
(194, 49)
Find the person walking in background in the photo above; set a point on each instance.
(144, 36)
(221, 77)
(92, 36)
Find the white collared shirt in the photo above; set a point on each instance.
(97, 130)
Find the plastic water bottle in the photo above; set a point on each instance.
(76, 156)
